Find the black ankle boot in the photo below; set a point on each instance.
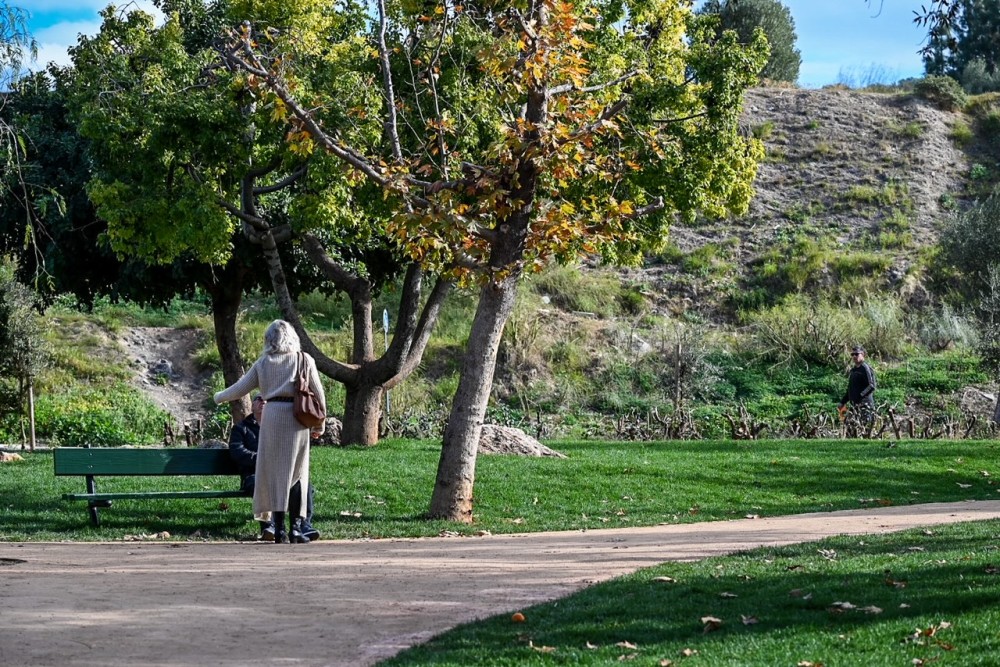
(280, 532)
(298, 536)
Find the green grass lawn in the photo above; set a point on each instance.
(383, 491)
(921, 597)
(914, 598)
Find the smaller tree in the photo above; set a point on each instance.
(746, 16)
(21, 338)
(961, 33)
(972, 244)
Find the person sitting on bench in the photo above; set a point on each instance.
(243, 450)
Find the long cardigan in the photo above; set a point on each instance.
(283, 448)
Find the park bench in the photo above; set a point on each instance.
(94, 462)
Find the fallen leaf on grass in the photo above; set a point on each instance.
(992, 569)
(542, 649)
(749, 620)
(808, 663)
(871, 609)
(356, 515)
(828, 554)
(666, 663)
(665, 580)
(963, 486)
(630, 656)
(711, 623)
(841, 607)
(626, 645)
(727, 595)
(591, 647)
(797, 593)
(752, 516)
(688, 652)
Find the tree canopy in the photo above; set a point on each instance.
(967, 36)
(771, 16)
(518, 134)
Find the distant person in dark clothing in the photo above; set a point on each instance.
(860, 387)
(243, 450)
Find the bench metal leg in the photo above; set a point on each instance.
(91, 507)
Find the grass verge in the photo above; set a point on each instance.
(919, 597)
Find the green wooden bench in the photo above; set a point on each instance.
(92, 462)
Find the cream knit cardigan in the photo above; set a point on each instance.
(283, 446)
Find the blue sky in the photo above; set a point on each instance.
(838, 38)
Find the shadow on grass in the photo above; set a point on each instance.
(774, 606)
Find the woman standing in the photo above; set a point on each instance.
(283, 448)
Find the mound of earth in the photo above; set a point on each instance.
(163, 359)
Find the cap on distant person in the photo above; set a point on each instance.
(857, 349)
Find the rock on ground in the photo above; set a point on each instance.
(508, 440)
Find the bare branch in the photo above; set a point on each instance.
(568, 87)
(391, 128)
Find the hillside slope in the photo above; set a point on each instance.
(851, 171)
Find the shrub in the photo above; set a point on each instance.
(942, 329)
(976, 77)
(99, 416)
(941, 91)
(800, 331)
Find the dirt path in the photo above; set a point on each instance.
(344, 603)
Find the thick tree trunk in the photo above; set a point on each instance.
(227, 295)
(456, 474)
(362, 411)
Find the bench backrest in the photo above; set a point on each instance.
(110, 461)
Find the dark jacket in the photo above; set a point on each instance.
(243, 445)
(860, 385)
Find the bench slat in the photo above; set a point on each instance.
(84, 461)
(138, 495)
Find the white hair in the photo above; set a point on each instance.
(280, 337)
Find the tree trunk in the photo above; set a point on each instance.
(362, 411)
(227, 295)
(456, 474)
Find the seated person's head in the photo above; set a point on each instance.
(257, 404)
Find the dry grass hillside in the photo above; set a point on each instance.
(846, 173)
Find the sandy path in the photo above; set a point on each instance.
(344, 603)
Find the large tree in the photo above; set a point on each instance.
(771, 16)
(190, 164)
(523, 133)
(970, 36)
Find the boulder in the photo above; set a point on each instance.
(508, 440)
